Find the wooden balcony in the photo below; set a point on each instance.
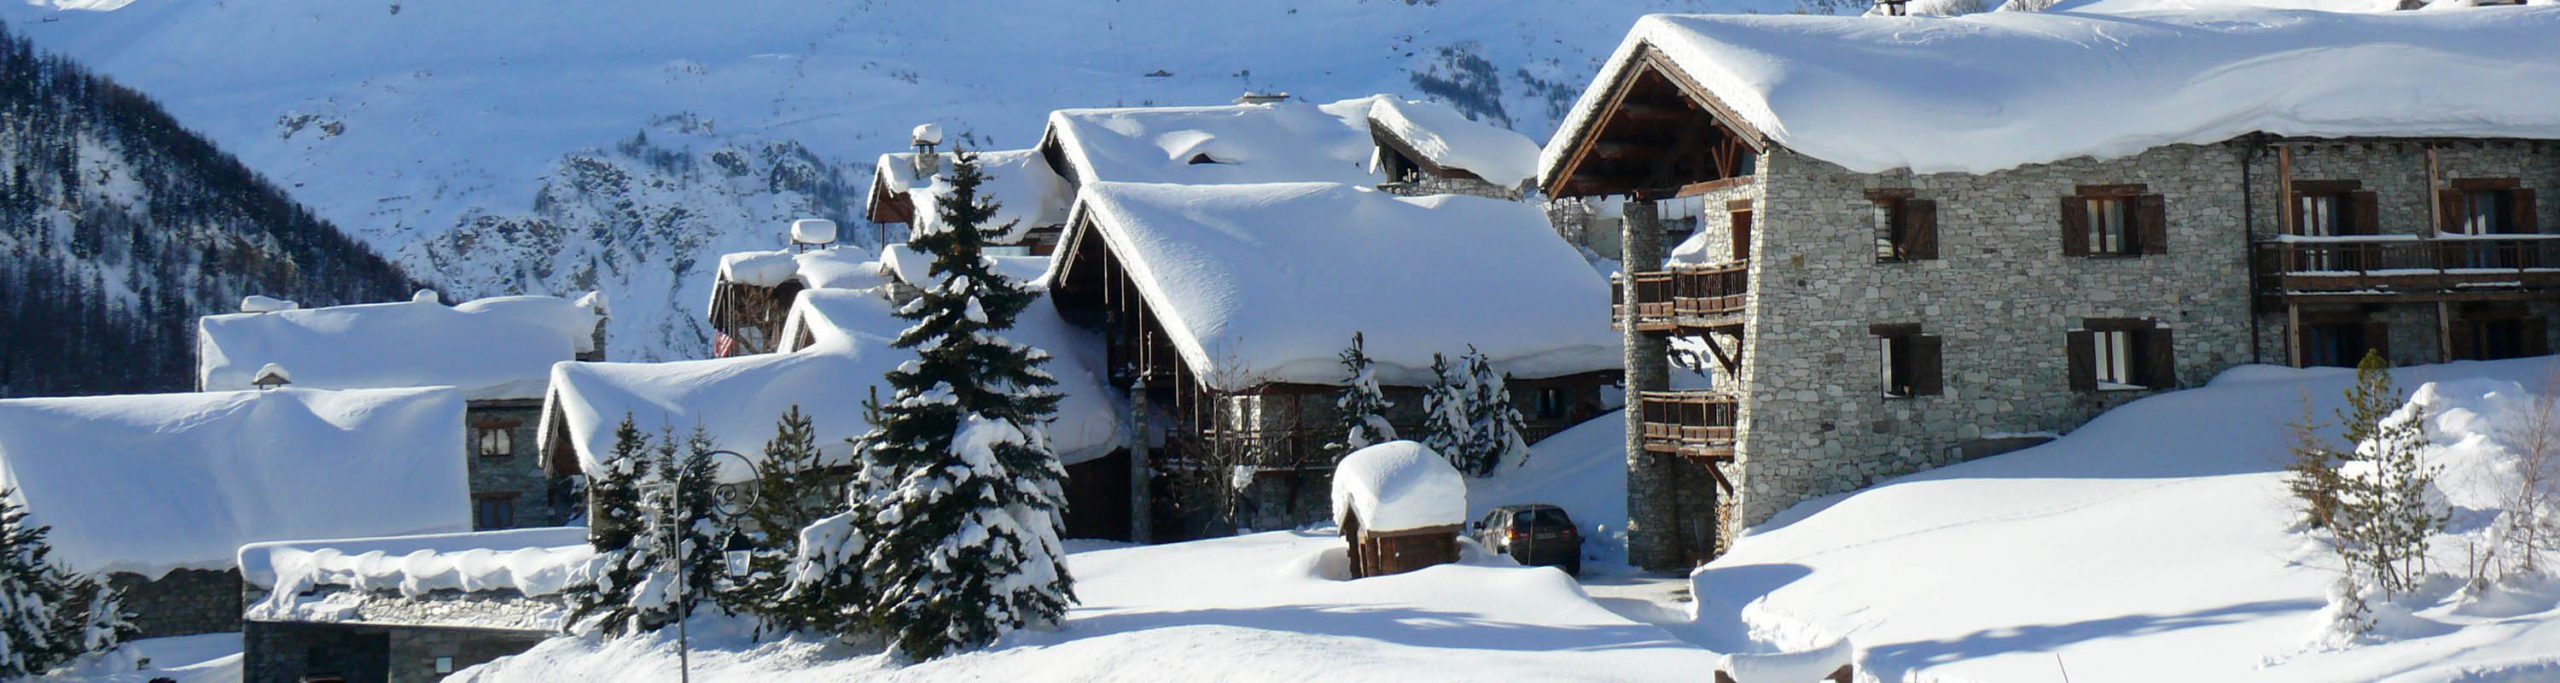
(1685, 299)
(2377, 269)
(1690, 424)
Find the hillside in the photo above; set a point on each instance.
(118, 226)
(489, 146)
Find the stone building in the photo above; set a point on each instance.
(158, 492)
(322, 609)
(1230, 306)
(497, 351)
(1936, 275)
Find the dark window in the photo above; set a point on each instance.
(2114, 220)
(494, 441)
(1909, 362)
(1541, 518)
(1551, 404)
(493, 511)
(1906, 229)
(1742, 235)
(2488, 212)
(2342, 343)
(2118, 354)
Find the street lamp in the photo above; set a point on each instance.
(673, 491)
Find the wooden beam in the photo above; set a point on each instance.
(1695, 189)
(2293, 333)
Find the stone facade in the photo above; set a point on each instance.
(286, 652)
(517, 476)
(183, 602)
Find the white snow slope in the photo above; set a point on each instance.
(492, 145)
(1265, 607)
(2151, 544)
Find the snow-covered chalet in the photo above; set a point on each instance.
(1901, 242)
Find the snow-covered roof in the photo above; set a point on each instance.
(151, 483)
(1398, 486)
(498, 348)
(1285, 141)
(739, 401)
(1991, 91)
(1027, 193)
(1450, 140)
(913, 267)
(1267, 283)
(835, 267)
(533, 562)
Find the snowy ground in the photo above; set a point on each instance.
(1260, 607)
(2150, 544)
(208, 658)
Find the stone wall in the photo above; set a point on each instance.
(182, 603)
(537, 504)
(285, 652)
(2001, 297)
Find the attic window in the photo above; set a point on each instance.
(1204, 158)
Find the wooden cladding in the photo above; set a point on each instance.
(1686, 297)
(2114, 220)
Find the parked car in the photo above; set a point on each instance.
(1536, 535)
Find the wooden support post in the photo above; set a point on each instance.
(1141, 493)
(2284, 192)
(2444, 322)
(2293, 333)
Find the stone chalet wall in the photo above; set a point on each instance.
(520, 474)
(184, 602)
(2001, 296)
(385, 637)
(2396, 172)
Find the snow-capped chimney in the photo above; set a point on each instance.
(270, 377)
(813, 232)
(265, 304)
(427, 296)
(1892, 8)
(927, 139)
(1251, 97)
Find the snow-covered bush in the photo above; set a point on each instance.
(1363, 406)
(1469, 417)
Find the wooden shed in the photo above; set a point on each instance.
(1400, 507)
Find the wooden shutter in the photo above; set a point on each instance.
(2453, 213)
(2159, 359)
(2151, 223)
(2527, 221)
(1928, 373)
(2082, 348)
(1919, 228)
(1742, 235)
(2075, 226)
(2367, 212)
(2537, 336)
(2377, 337)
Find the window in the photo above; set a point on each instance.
(2340, 340)
(2110, 354)
(1906, 229)
(2488, 212)
(2114, 220)
(444, 665)
(493, 511)
(2495, 332)
(2320, 215)
(494, 440)
(1551, 404)
(1908, 361)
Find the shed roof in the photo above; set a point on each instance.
(1285, 141)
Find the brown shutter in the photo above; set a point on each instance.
(2377, 337)
(2367, 212)
(2075, 226)
(1742, 235)
(1928, 374)
(2160, 359)
(2527, 221)
(1920, 228)
(2452, 214)
(2082, 349)
(2151, 221)
(2537, 336)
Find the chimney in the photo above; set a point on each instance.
(927, 138)
(813, 232)
(1251, 97)
(271, 377)
(1893, 8)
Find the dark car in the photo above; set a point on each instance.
(1536, 535)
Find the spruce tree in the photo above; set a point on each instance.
(32, 635)
(2385, 518)
(827, 590)
(1493, 419)
(1445, 427)
(794, 489)
(617, 522)
(100, 626)
(957, 467)
(1363, 406)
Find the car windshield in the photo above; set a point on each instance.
(1541, 518)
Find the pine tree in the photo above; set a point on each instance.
(31, 597)
(2385, 517)
(100, 626)
(1363, 406)
(1445, 427)
(827, 590)
(1492, 418)
(958, 468)
(618, 521)
(2312, 475)
(795, 488)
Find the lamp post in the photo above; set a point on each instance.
(673, 491)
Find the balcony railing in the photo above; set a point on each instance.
(1695, 424)
(2407, 264)
(1685, 297)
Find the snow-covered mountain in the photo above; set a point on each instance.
(499, 147)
